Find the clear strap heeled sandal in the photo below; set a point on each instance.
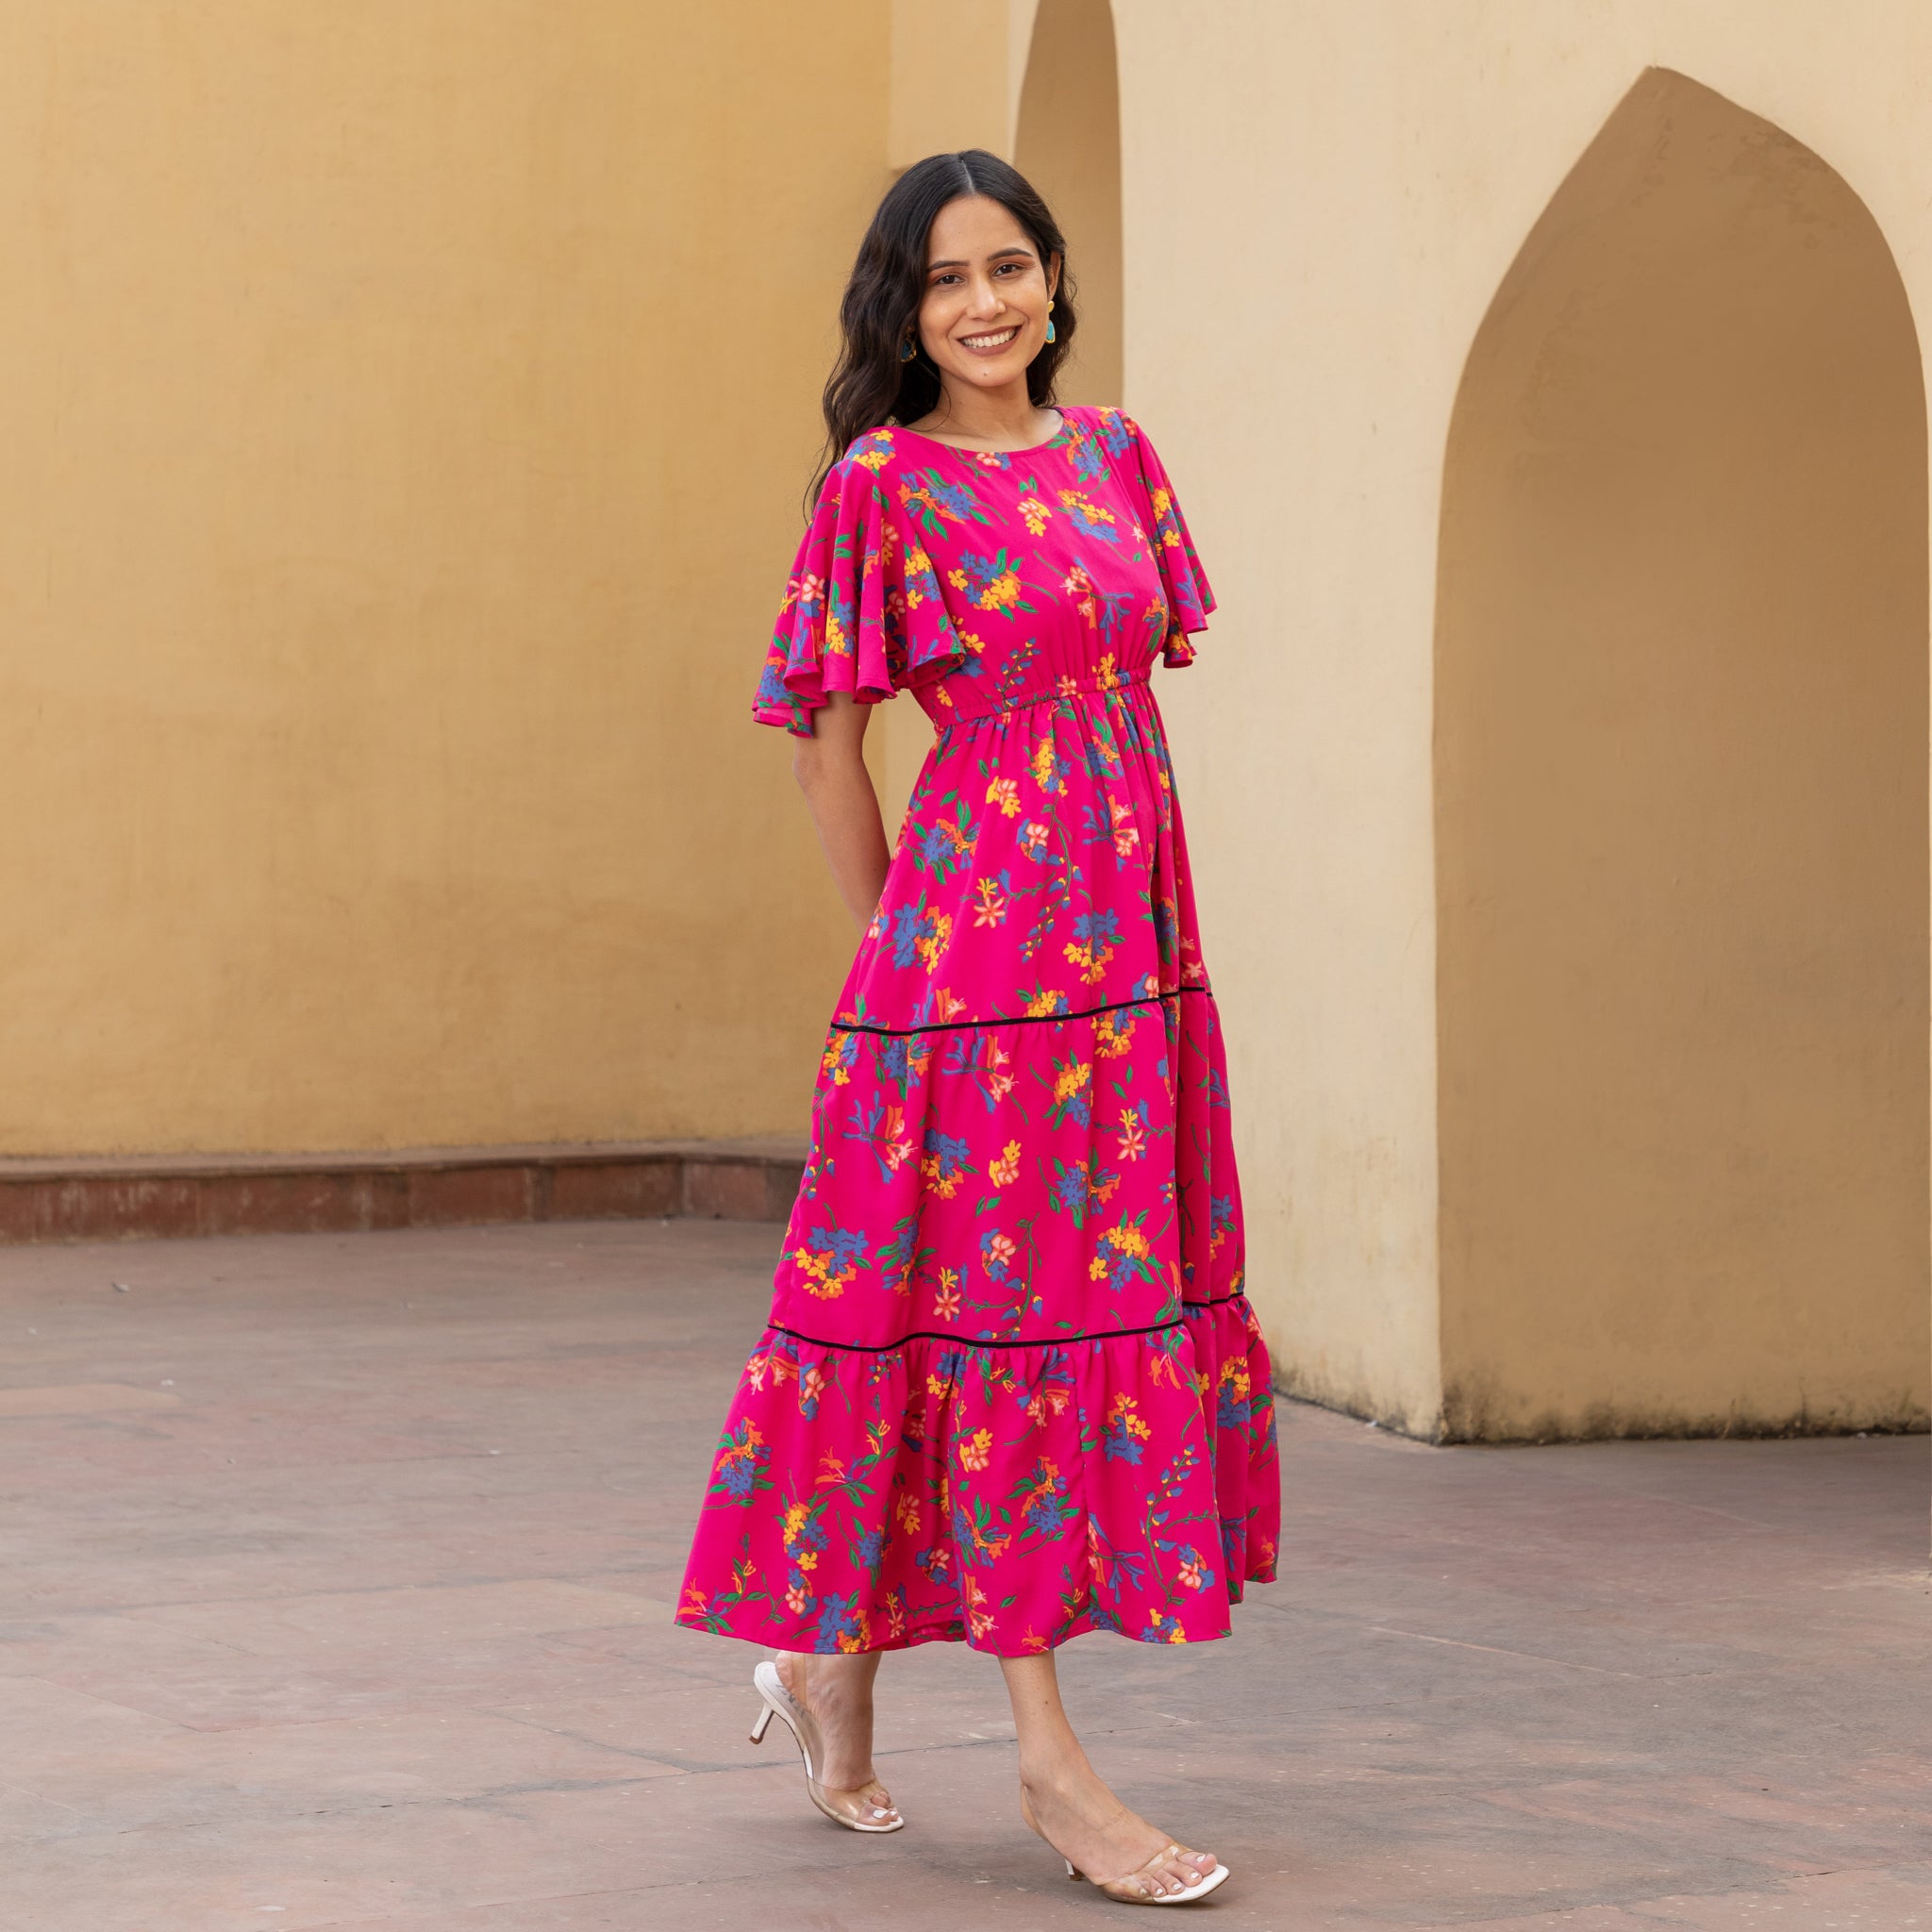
(853, 1809)
(1136, 1888)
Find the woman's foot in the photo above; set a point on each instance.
(836, 1694)
(1072, 1809)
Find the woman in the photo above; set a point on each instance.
(1011, 1391)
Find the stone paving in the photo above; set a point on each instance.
(337, 1571)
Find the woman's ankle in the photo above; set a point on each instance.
(1047, 1772)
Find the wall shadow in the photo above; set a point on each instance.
(1681, 731)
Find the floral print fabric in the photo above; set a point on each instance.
(1010, 1389)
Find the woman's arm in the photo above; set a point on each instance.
(831, 769)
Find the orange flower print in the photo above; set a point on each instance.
(1035, 513)
(978, 1617)
(992, 908)
(1004, 1171)
(1133, 1141)
(946, 1305)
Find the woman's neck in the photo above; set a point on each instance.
(1002, 419)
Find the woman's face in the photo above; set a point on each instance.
(984, 316)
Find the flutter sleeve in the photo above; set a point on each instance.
(860, 613)
(1189, 597)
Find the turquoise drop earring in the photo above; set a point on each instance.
(908, 350)
(1052, 333)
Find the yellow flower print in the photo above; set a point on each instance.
(796, 1517)
(818, 1271)
(837, 643)
(1112, 1035)
(1004, 792)
(1071, 1079)
(1163, 502)
(908, 1514)
(1127, 1239)
(947, 1302)
(1006, 1169)
(1109, 678)
(1044, 1003)
(1080, 954)
(1043, 763)
(934, 943)
(999, 593)
(1085, 508)
(975, 1453)
(1036, 514)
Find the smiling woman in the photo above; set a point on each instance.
(1011, 1391)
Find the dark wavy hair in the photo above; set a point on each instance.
(869, 385)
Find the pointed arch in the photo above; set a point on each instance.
(1681, 730)
(1068, 146)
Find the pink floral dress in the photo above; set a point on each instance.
(1010, 1389)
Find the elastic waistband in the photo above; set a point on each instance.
(1063, 688)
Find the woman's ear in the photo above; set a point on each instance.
(1053, 274)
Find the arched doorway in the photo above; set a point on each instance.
(1068, 146)
(1681, 729)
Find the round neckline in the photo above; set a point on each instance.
(1032, 449)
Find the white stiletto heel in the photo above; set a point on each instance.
(849, 1809)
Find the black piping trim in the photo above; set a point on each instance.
(959, 1341)
(1020, 1020)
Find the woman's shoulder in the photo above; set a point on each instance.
(1114, 429)
(874, 450)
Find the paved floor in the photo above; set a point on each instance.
(334, 1575)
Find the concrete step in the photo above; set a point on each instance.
(150, 1197)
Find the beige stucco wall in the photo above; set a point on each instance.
(1321, 203)
(405, 412)
(1680, 782)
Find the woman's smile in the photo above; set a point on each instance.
(991, 343)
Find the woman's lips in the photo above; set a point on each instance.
(988, 343)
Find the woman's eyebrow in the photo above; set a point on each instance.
(998, 253)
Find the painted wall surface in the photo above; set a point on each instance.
(1681, 782)
(1069, 145)
(406, 412)
(1321, 203)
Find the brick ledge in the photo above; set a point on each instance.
(159, 1197)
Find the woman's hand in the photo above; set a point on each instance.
(831, 769)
